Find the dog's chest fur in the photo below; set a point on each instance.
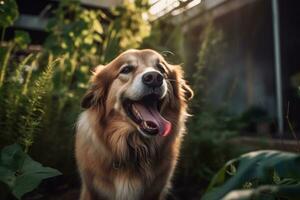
(127, 177)
(127, 188)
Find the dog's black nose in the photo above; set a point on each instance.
(153, 79)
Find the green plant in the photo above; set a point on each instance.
(209, 58)
(22, 110)
(257, 175)
(127, 30)
(252, 118)
(76, 33)
(13, 98)
(209, 127)
(20, 172)
(35, 107)
(21, 41)
(22, 113)
(205, 149)
(8, 14)
(168, 43)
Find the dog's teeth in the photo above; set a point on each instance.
(139, 115)
(136, 112)
(146, 124)
(134, 109)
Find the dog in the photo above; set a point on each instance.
(128, 137)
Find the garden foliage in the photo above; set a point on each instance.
(205, 148)
(257, 175)
(40, 91)
(20, 172)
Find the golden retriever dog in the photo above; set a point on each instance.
(128, 138)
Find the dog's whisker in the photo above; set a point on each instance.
(166, 52)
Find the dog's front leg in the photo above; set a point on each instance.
(85, 193)
(88, 193)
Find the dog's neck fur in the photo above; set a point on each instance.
(140, 154)
(127, 149)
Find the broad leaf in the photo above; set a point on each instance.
(273, 168)
(266, 192)
(20, 172)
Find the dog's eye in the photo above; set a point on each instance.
(127, 69)
(161, 68)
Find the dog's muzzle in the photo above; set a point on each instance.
(142, 102)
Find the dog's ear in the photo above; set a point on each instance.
(93, 97)
(97, 92)
(87, 99)
(181, 88)
(188, 92)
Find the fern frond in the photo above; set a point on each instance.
(35, 107)
(11, 97)
(29, 74)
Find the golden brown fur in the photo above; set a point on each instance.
(115, 161)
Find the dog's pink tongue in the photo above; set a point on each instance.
(151, 113)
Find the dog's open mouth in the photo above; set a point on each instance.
(145, 114)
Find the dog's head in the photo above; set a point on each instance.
(138, 86)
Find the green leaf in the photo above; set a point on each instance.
(22, 39)
(267, 192)
(20, 172)
(97, 38)
(97, 27)
(260, 166)
(88, 39)
(7, 176)
(11, 157)
(8, 12)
